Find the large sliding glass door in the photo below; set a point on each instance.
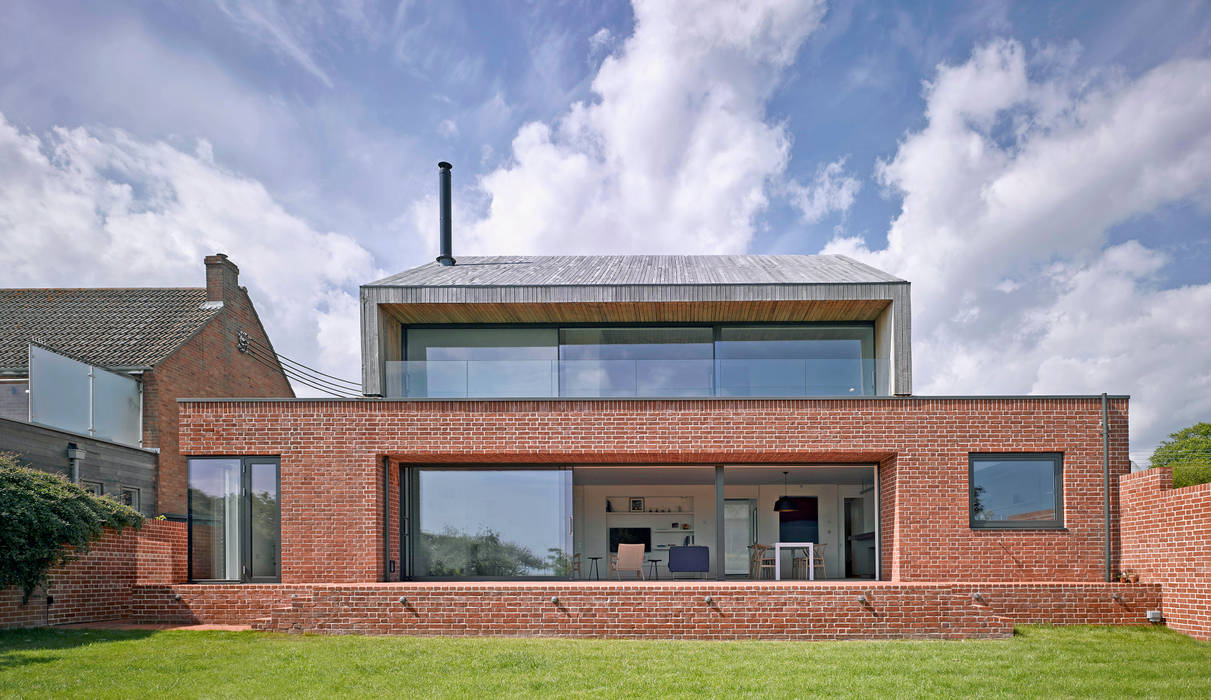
(488, 523)
(234, 519)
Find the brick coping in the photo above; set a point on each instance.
(645, 585)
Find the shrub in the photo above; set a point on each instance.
(46, 521)
(1191, 474)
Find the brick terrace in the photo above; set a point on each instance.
(655, 610)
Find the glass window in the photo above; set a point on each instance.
(130, 497)
(234, 519)
(214, 519)
(636, 362)
(506, 523)
(481, 362)
(1016, 490)
(265, 517)
(93, 487)
(795, 360)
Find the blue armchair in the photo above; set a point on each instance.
(689, 559)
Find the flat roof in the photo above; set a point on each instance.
(638, 270)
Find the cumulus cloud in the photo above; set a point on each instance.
(93, 207)
(1009, 191)
(830, 191)
(673, 153)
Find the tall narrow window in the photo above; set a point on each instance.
(234, 519)
(1016, 490)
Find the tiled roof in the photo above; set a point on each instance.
(601, 270)
(107, 327)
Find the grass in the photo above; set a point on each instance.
(1038, 661)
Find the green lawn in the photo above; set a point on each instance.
(1038, 661)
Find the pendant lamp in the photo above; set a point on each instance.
(784, 505)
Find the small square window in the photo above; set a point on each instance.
(1016, 490)
(93, 487)
(130, 497)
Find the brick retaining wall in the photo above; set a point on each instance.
(654, 610)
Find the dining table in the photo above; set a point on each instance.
(811, 557)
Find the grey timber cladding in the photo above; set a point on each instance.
(516, 288)
(627, 270)
(113, 465)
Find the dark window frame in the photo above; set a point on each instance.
(1057, 459)
(123, 488)
(245, 517)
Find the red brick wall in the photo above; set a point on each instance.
(97, 586)
(208, 365)
(1166, 536)
(331, 473)
(659, 610)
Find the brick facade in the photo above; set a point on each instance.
(207, 365)
(1166, 535)
(99, 585)
(332, 494)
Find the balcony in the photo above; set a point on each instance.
(651, 378)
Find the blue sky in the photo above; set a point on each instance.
(1041, 172)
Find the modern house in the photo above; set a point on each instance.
(527, 415)
(89, 378)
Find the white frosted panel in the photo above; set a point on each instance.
(58, 391)
(116, 407)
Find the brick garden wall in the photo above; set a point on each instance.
(98, 586)
(332, 491)
(1166, 536)
(656, 610)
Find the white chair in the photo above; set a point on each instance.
(630, 558)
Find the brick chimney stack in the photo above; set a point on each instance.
(222, 278)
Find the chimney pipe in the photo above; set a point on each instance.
(443, 180)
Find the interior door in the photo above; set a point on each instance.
(739, 531)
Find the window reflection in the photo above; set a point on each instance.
(1011, 490)
(493, 523)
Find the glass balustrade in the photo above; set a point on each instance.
(459, 379)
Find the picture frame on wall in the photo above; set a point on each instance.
(637, 505)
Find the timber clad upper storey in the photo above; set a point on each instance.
(637, 326)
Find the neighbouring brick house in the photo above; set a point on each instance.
(112, 364)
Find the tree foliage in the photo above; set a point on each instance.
(46, 521)
(454, 553)
(1188, 452)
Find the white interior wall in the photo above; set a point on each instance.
(591, 532)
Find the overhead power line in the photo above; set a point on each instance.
(296, 371)
(300, 367)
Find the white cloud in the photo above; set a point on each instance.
(88, 207)
(1008, 193)
(673, 154)
(600, 41)
(447, 128)
(282, 31)
(830, 191)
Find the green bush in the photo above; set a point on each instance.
(1188, 452)
(1191, 474)
(46, 521)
